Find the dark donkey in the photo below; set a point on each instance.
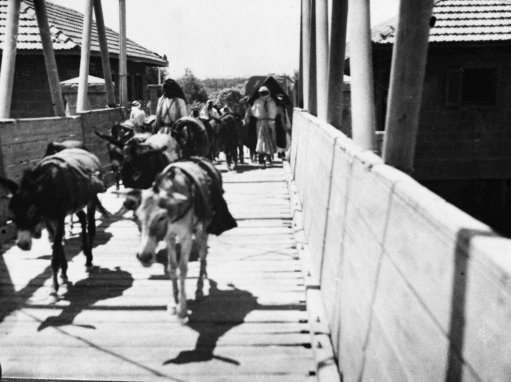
(59, 185)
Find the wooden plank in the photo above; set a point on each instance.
(251, 324)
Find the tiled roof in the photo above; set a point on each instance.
(460, 21)
(66, 30)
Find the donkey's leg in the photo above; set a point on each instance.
(91, 230)
(186, 247)
(201, 238)
(85, 240)
(58, 258)
(172, 271)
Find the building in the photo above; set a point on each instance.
(31, 96)
(464, 143)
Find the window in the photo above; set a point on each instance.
(471, 87)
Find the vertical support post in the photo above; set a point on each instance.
(123, 60)
(313, 100)
(105, 57)
(49, 58)
(83, 84)
(321, 11)
(299, 85)
(306, 51)
(409, 58)
(361, 67)
(338, 21)
(7, 70)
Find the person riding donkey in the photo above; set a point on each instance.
(171, 106)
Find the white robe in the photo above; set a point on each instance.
(265, 110)
(169, 110)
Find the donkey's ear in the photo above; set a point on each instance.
(172, 201)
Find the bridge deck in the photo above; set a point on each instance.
(113, 324)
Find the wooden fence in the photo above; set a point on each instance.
(413, 288)
(23, 142)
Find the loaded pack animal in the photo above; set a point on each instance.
(58, 185)
(144, 155)
(229, 138)
(184, 204)
(120, 133)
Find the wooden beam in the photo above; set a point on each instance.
(361, 68)
(338, 21)
(7, 70)
(306, 51)
(313, 100)
(299, 86)
(321, 12)
(83, 84)
(105, 56)
(406, 82)
(123, 59)
(49, 58)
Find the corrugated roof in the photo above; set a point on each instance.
(66, 30)
(460, 21)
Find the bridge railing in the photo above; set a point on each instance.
(413, 288)
(23, 142)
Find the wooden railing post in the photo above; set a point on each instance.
(105, 56)
(306, 51)
(49, 58)
(361, 68)
(338, 22)
(406, 82)
(299, 86)
(7, 71)
(83, 84)
(313, 92)
(123, 59)
(322, 57)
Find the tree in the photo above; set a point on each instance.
(193, 87)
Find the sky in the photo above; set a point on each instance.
(220, 38)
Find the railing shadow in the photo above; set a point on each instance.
(454, 368)
(102, 284)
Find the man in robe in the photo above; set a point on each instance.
(171, 106)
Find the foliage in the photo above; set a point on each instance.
(193, 87)
(215, 85)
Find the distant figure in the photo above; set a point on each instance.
(137, 115)
(264, 110)
(171, 106)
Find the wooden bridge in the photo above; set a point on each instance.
(342, 265)
(251, 326)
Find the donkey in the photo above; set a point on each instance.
(59, 185)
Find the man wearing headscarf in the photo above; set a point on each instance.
(265, 110)
(171, 106)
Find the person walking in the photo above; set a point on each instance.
(264, 110)
(171, 106)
